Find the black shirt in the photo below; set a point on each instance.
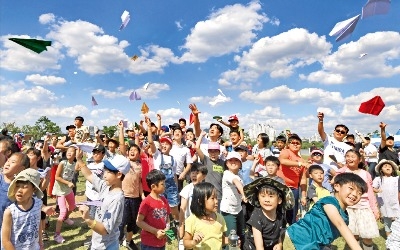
(386, 153)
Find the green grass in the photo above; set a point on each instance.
(78, 233)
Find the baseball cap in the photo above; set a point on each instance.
(213, 145)
(390, 138)
(117, 163)
(232, 155)
(233, 117)
(166, 139)
(241, 147)
(130, 127)
(317, 151)
(175, 125)
(99, 148)
(165, 128)
(30, 175)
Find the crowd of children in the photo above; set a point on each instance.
(174, 182)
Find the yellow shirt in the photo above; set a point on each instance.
(212, 232)
(315, 191)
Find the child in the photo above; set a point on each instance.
(317, 158)
(260, 149)
(316, 190)
(63, 190)
(197, 175)
(267, 224)
(363, 215)
(327, 219)
(280, 144)
(388, 188)
(234, 139)
(205, 228)
(233, 125)
(232, 195)
(244, 172)
(270, 169)
(154, 213)
(108, 217)
(21, 222)
(393, 240)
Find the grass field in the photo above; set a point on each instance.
(78, 233)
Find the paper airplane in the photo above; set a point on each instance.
(145, 109)
(178, 102)
(375, 7)
(94, 102)
(220, 91)
(134, 57)
(362, 55)
(125, 17)
(134, 96)
(373, 106)
(146, 86)
(35, 45)
(345, 28)
(218, 99)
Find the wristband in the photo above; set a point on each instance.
(299, 164)
(93, 224)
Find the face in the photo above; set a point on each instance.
(4, 150)
(387, 169)
(317, 175)
(130, 133)
(165, 147)
(271, 168)
(24, 191)
(211, 204)
(352, 160)
(177, 135)
(71, 152)
(233, 164)
(112, 146)
(71, 132)
(234, 137)
(182, 124)
(54, 140)
(12, 166)
(234, 123)
(295, 145)
(339, 133)
(214, 131)
(348, 194)
(153, 129)
(133, 154)
(213, 154)
(259, 140)
(390, 143)
(317, 157)
(110, 177)
(33, 158)
(158, 188)
(189, 136)
(350, 139)
(280, 145)
(78, 123)
(98, 156)
(2, 159)
(243, 153)
(269, 201)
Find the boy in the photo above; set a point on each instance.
(197, 175)
(154, 213)
(316, 190)
(244, 172)
(270, 169)
(108, 217)
(317, 158)
(233, 125)
(328, 219)
(21, 222)
(280, 144)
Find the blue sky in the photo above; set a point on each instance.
(274, 61)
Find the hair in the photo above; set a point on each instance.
(80, 118)
(113, 141)
(182, 120)
(294, 137)
(281, 138)
(343, 126)
(155, 176)
(361, 163)
(25, 182)
(234, 132)
(272, 159)
(394, 172)
(351, 136)
(38, 154)
(115, 172)
(201, 193)
(69, 127)
(269, 190)
(367, 138)
(350, 144)
(315, 167)
(23, 159)
(220, 129)
(4, 131)
(199, 168)
(264, 138)
(10, 145)
(345, 178)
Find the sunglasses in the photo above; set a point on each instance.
(317, 154)
(340, 131)
(295, 143)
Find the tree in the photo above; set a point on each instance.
(109, 130)
(11, 127)
(42, 126)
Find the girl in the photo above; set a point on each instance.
(63, 190)
(232, 195)
(363, 215)
(260, 150)
(387, 187)
(204, 228)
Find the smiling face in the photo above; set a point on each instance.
(348, 194)
(294, 145)
(352, 160)
(339, 133)
(234, 165)
(234, 137)
(269, 199)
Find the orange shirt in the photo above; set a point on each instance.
(290, 174)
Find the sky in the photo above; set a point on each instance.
(273, 60)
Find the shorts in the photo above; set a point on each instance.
(362, 223)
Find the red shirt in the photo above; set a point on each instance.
(155, 214)
(147, 166)
(291, 174)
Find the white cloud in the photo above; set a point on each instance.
(227, 30)
(35, 95)
(279, 56)
(275, 21)
(45, 80)
(47, 18)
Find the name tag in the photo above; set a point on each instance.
(218, 169)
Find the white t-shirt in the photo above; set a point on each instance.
(336, 148)
(98, 170)
(181, 156)
(80, 133)
(231, 199)
(187, 193)
(167, 161)
(371, 149)
(204, 147)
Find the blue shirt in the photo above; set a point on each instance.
(315, 229)
(244, 172)
(325, 183)
(4, 201)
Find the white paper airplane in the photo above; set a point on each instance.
(220, 91)
(218, 99)
(362, 55)
(146, 86)
(125, 17)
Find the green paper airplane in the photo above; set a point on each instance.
(33, 44)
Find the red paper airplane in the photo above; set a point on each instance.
(373, 106)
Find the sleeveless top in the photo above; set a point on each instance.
(59, 188)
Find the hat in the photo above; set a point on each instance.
(130, 127)
(118, 163)
(390, 138)
(99, 148)
(166, 139)
(30, 175)
(233, 117)
(214, 145)
(241, 147)
(175, 125)
(251, 191)
(235, 155)
(165, 128)
(317, 151)
(384, 161)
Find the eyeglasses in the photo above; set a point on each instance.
(295, 143)
(317, 154)
(340, 131)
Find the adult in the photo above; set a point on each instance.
(357, 145)
(4, 134)
(293, 170)
(386, 150)
(66, 141)
(334, 147)
(371, 156)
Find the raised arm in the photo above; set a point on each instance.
(321, 130)
(158, 124)
(198, 142)
(121, 139)
(383, 134)
(223, 122)
(196, 122)
(81, 166)
(253, 168)
(150, 136)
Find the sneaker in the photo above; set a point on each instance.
(45, 236)
(58, 238)
(69, 221)
(131, 245)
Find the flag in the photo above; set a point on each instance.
(145, 109)
(94, 102)
(260, 160)
(373, 106)
(191, 119)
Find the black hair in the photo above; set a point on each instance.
(361, 163)
(315, 167)
(343, 126)
(201, 193)
(367, 138)
(155, 176)
(350, 144)
(294, 137)
(36, 152)
(24, 159)
(273, 159)
(113, 141)
(24, 183)
(281, 138)
(345, 178)
(69, 127)
(134, 145)
(199, 168)
(351, 136)
(182, 120)
(80, 118)
(264, 138)
(269, 190)
(220, 129)
(4, 131)
(234, 131)
(189, 130)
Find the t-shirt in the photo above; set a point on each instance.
(167, 161)
(315, 229)
(270, 230)
(386, 153)
(96, 169)
(80, 133)
(147, 165)
(336, 148)
(291, 174)
(155, 213)
(215, 172)
(388, 199)
(187, 193)
(244, 172)
(314, 191)
(371, 149)
(231, 198)
(131, 183)
(212, 232)
(182, 156)
(109, 214)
